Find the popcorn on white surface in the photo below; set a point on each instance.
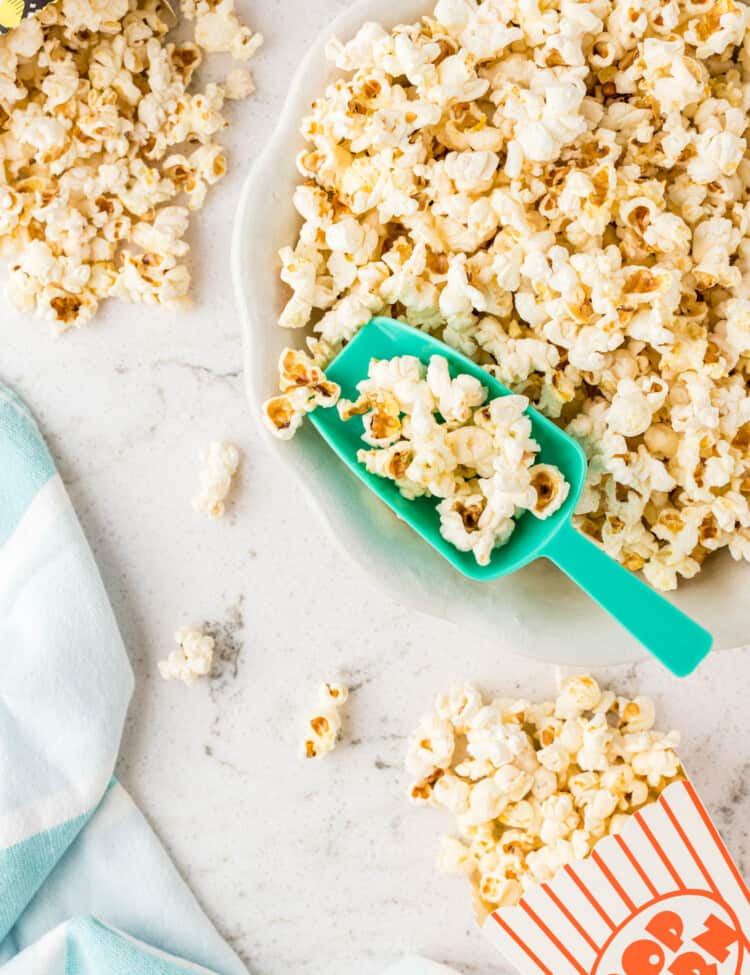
(323, 726)
(560, 191)
(105, 148)
(192, 658)
(436, 436)
(220, 463)
(535, 786)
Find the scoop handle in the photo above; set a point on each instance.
(666, 632)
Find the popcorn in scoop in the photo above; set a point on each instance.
(437, 436)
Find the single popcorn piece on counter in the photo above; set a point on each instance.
(560, 191)
(192, 658)
(220, 463)
(323, 727)
(437, 436)
(533, 786)
(304, 388)
(106, 146)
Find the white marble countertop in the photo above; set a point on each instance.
(306, 868)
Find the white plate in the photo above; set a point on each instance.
(537, 612)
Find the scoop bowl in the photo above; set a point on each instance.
(665, 631)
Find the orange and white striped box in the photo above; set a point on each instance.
(662, 898)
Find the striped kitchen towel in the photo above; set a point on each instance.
(85, 886)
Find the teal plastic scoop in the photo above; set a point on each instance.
(664, 630)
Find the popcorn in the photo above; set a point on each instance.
(479, 459)
(101, 137)
(543, 782)
(220, 463)
(559, 191)
(323, 727)
(304, 388)
(192, 659)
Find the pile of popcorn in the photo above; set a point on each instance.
(560, 190)
(105, 148)
(533, 787)
(323, 726)
(192, 658)
(437, 436)
(220, 463)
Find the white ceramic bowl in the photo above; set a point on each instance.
(537, 612)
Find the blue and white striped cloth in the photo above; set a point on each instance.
(85, 886)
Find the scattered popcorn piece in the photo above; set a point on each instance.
(561, 191)
(542, 784)
(220, 463)
(106, 147)
(323, 727)
(192, 658)
(239, 84)
(436, 436)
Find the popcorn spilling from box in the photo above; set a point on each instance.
(588, 850)
(437, 436)
(561, 191)
(663, 897)
(106, 147)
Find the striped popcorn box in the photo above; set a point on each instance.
(664, 897)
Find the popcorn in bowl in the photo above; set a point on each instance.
(561, 196)
(105, 149)
(437, 436)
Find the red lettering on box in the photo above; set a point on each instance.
(687, 932)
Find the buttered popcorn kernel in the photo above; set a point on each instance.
(323, 727)
(533, 787)
(304, 388)
(106, 147)
(220, 463)
(562, 192)
(437, 436)
(192, 658)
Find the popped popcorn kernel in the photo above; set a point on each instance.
(192, 658)
(304, 388)
(561, 192)
(220, 464)
(323, 726)
(542, 784)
